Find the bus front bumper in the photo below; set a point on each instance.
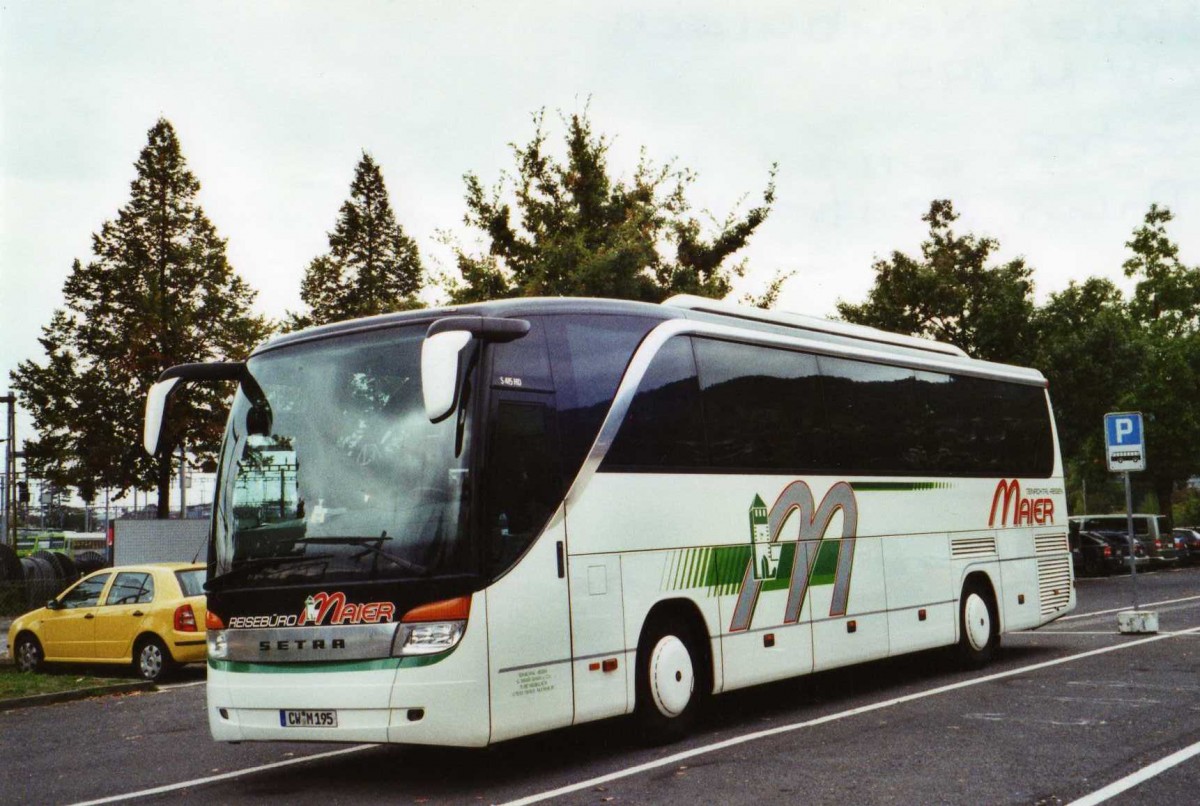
(436, 699)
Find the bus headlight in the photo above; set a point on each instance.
(218, 645)
(428, 638)
(432, 628)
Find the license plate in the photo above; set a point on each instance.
(307, 719)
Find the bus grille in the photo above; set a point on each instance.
(1054, 583)
(964, 547)
(1051, 543)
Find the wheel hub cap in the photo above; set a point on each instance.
(671, 676)
(979, 621)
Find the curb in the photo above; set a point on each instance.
(75, 694)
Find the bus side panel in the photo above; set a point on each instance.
(768, 650)
(598, 637)
(861, 634)
(1018, 591)
(529, 642)
(918, 577)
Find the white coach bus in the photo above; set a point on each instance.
(463, 525)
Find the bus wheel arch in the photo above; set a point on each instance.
(674, 672)
(978, 621)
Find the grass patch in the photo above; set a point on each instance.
(15, 684)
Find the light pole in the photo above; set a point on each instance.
(10, 469)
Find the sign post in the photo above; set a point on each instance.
(1125, 453)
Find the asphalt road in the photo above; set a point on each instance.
(1061, 714)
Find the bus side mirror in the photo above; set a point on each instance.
(441, 373)
(156, 408)
(168, 382)
(443, 352)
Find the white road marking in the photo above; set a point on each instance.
(677, 757)
(225, 776)
(865, 709)
(174, 686)
(1119, 609)
(1141, 776)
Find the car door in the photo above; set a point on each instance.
(68, 631)
(120, 618)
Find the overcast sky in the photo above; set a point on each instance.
(1052, 126)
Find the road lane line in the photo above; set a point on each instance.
(225, 776)
(1141, 776)
(864, 709)
(1127, 607)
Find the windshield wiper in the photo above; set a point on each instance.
(365, 543)
(246, 566)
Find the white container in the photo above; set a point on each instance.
(1138, 621)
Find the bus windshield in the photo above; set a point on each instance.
(331, 472)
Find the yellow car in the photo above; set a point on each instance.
(151, 616)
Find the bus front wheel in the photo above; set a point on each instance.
(669, 681)
(979, 626)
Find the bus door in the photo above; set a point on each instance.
(529, 623)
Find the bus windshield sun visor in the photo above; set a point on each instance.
(442, 355)
(172, 378)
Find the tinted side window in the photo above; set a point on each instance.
(590, 354)
(872, 415)
(86, 593)
(982, 427)
(131, 588)
(663, 428)
(191, 583)
(523, 363)
(523, 485)
(762, 407)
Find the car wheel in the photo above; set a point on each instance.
(979, 626)
(27, 653)
(670, 681)
(151, 660)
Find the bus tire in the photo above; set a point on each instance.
(979, 626)
(670, 687)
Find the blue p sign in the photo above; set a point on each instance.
(1123, 441)
(1123, 429)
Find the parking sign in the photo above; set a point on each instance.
(1124, 441)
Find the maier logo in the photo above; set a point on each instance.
(1007, 500)
(339, 611)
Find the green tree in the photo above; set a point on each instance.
(1088, 346)
(1166, 306)
(569, 228)
(371, 267)
(951, 293)
(158, 292)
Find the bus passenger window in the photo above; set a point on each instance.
(664, 427)
(523, 484)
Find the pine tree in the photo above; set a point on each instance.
(372, 267)
(158, 292)
(580, 232)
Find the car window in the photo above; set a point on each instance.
(131, 588)
(86, 593)
(191, 582)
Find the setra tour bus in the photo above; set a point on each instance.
(463, 525)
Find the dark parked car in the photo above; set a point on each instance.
(1119, 541)
(1092, 555)
(1187, 543)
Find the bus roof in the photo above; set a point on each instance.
(684, 307)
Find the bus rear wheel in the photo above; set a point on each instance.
(979, 626)
(670, 679)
